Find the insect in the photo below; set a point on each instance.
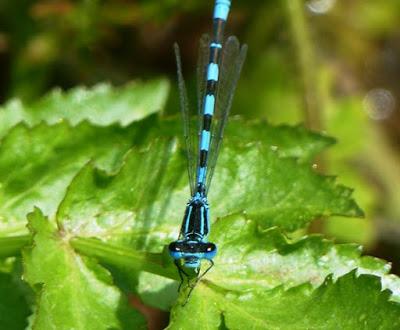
(218, 70)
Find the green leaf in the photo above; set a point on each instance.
(145, 200)
(155, 282)
(100, 105)
(60, 150)
(265, 259)
(351, 302)
(261, 281)
(142, 205)
(72, 292)
(287, 141)
(276, 191)
(256, 269)
(37, 164)
(48, 157)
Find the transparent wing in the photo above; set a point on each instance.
(233, 57)
(189, 137)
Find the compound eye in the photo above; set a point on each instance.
(210, 247)
(174, 247)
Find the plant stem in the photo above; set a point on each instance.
(313, 96)
(11, 246)
(124, 257)
(384, 162)
(109, 254)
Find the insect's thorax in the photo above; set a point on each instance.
(196, 221)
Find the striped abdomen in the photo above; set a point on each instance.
(221, 11)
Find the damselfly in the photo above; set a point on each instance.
(218, 70)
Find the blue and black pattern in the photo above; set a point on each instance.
(218, 71)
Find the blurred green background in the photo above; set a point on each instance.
(333, 65)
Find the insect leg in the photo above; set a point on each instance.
(180, 272)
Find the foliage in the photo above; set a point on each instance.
(103, 198)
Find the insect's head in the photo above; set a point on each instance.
(192, 252)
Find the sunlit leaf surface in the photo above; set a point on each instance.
(72, 293)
